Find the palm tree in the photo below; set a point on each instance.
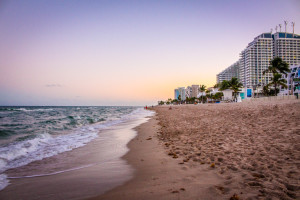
(277, 65)
(218, 95)
(179, 99)
(233, 84)
(216, 85)
(224, 85)
(202, 89)
(208, 95)
(276, 81)
(187, 100)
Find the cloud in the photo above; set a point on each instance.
(53, 85)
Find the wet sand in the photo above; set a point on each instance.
(216, 151)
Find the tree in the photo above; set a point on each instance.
(277, 81)
(192, 100)
(218, 95)
(187, 100)
(277, 65)
(174, 101)
(169, 101)
(224, 85)
(233, 85)
(161, 103)
(216, 85)
(268, 91)
(202, 89)
(179, 98)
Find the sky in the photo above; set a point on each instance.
(106, 52)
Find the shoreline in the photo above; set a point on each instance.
(98, 168)
(215, 152)
(159, 176)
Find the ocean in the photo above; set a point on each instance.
(34, 134)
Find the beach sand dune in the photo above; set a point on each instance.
(216, 151)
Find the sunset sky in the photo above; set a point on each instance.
(124, 52)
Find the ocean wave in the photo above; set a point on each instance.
(24, 151)
(30, 110)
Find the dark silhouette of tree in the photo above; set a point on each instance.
(277, 81)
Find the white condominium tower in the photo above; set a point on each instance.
(287, 47)
(255, 59)
(229, 72)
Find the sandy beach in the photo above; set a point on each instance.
(216, 151)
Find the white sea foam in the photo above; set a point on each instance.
(45, 145)
(3, 181)
(32, 110)
(54, 173)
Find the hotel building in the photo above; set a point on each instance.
(195, 91)
(188, 92)
(179, 92)
(255, 58)
(287, 47)
(229, 72)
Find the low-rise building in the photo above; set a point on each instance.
(293, 82)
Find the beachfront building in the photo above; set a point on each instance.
(256, 57)
(293, 81)
(195, 91)
(287, 47)
(255, 60)
(227, 94)
(180, 92)
(188, 92)
(229, 73)
(176, 94)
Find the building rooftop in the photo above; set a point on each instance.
(286, 35)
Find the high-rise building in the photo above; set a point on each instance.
(195, 91)
(256, 57)
(255, 60)
(179, 92)
(229, 73)
(176, 93)
(188, 92)
(287, 47)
